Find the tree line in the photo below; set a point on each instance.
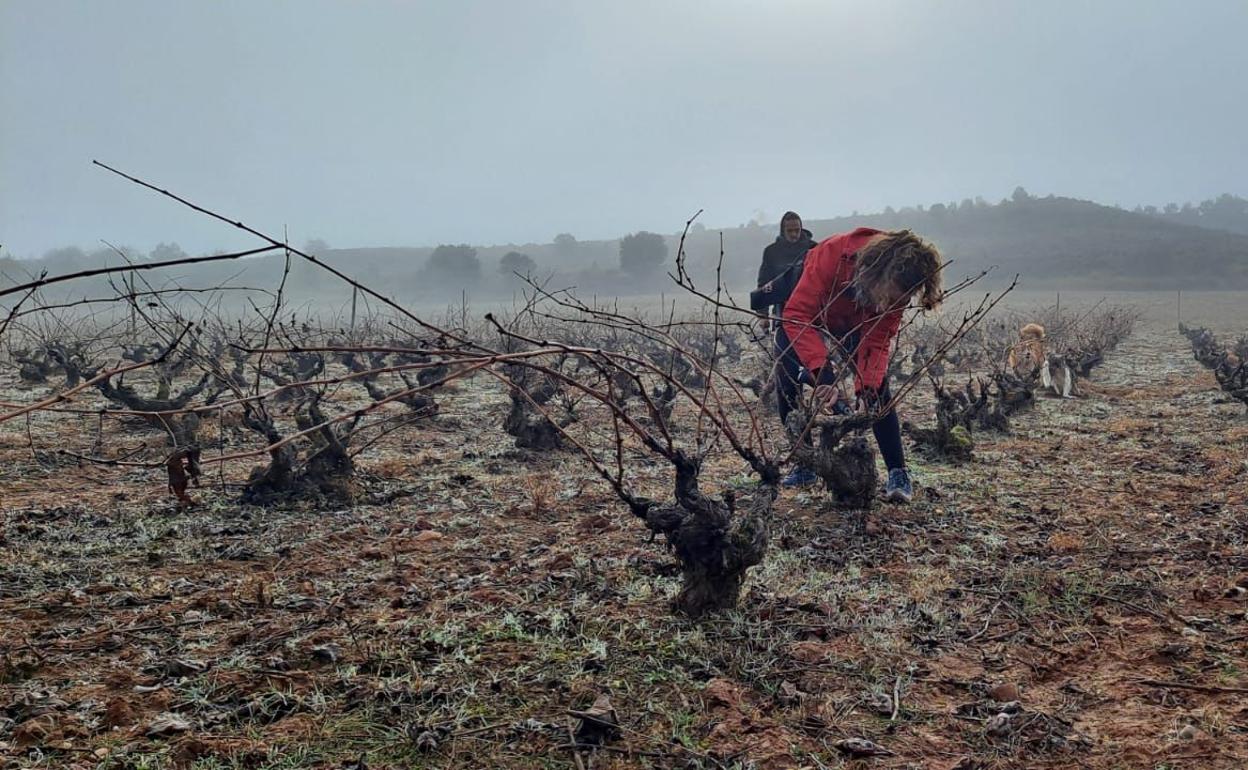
(1047, 239)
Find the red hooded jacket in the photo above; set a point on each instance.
(825, 298)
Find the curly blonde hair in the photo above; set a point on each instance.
(899, 261)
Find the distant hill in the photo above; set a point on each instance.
(1225, 212)
(1064, 242)
(1051, 242)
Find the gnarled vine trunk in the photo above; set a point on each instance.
(835, 450)
(714, 541)
(327, 471)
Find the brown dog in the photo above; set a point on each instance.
(1028, 353)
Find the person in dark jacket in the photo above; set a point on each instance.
(854, 288)
(790, 245)
(778, 258)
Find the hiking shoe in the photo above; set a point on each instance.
(799, 477)
(899, 488)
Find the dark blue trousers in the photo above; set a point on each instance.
(887, 429)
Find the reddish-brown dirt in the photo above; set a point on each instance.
(1074, 597)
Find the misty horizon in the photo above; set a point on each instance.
(1052, 241)
(699, 224)
(494, 123)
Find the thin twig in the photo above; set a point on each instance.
(45, 281)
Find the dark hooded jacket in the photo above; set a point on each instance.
(779, 255)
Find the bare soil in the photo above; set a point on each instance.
(1085, 576)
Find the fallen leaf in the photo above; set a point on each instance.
(427, 739)
(881, 704)
(998, 724)
(598, 724)
(327, 653)
(858, 748)
(34, 703)
(790, 694)
(167, 724)
(176, 667)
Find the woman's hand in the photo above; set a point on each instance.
(826, 397)
(830, 399)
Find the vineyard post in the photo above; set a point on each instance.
(355, 295)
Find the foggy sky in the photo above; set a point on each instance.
(417, 123)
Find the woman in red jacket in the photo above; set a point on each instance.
(855, 287)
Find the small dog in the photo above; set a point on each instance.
(1057, 376)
